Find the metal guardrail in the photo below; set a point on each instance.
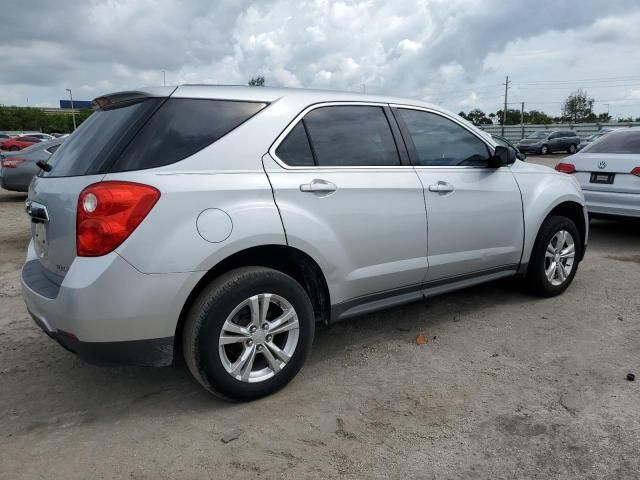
(513, 133)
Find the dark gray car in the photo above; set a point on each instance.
(549, 141)
(18, 168)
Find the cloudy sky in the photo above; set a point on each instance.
(452, 52)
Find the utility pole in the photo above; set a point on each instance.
(73, 112)
(522, 119)
(504, 112)
(164, 78)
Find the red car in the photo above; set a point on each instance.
(19, 143)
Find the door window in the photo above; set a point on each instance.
(349, 135)
(441, 142)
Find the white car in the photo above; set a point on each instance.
(608, 171)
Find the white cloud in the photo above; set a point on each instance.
(455, 52)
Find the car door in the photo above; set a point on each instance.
(556, 142)
(349, 198)
(474, 212)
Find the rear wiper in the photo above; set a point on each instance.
(44, 165)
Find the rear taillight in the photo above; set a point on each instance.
(636, 171)
(108, 212)
(12, 162)
(566, 167)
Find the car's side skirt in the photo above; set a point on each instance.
(392, 298)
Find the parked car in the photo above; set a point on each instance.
(42, 136)
(235, 218)
(544, 142)
(18, 168)
(594, 137)
(608, 171)
(18, 143)
(500, 140)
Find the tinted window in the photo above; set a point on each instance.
(180, 128)
(439, 141)
(89, 148)
(52, 149)
(351, 136)
(619, 142)
(295, 149)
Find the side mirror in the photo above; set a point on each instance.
(502, 156)
(521, 156)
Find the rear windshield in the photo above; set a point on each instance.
(619, 142)
(147, 134)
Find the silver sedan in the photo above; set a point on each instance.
(18, 168)
(608, 171)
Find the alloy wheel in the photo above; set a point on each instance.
(258, 338)
(559, 258)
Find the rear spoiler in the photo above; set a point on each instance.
(112, 99)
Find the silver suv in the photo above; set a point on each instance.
(226, 221)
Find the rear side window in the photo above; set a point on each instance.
(147, 134)
(180, 128)
(92, 145)
(351, 136)
(295, 149)
(440, 142)
(619, 142)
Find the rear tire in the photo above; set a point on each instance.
(242, 307)
(544, 150)
(572, 148)
(554, 258)
(14, 149)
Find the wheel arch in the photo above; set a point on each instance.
(573, 211)
(286, 259)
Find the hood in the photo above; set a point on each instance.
(527, 167)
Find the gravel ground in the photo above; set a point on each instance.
(507, 386)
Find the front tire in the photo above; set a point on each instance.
(544, 150)
(14, 149)
(248, 333)
(554, 259)
(572, 148)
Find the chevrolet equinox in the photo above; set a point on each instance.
(224, 222)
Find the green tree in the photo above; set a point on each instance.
(578, 107)
(537, 117)
(478, 117)
(513, 117)
(257, 81)
(27, 118)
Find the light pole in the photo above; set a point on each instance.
(73, 112)
(164, 78)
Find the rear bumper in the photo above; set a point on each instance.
(528, 149)
(156, 352)
(106, 311)
(611, 203)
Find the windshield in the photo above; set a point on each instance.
(538, 135)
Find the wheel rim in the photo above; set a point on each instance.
(544, 150)
(258, 338)
(572, 148)
(559, 258)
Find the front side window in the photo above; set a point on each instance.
(441, 142)
(349, 135)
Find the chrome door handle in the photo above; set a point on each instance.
(441, 187)
(318, 186)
